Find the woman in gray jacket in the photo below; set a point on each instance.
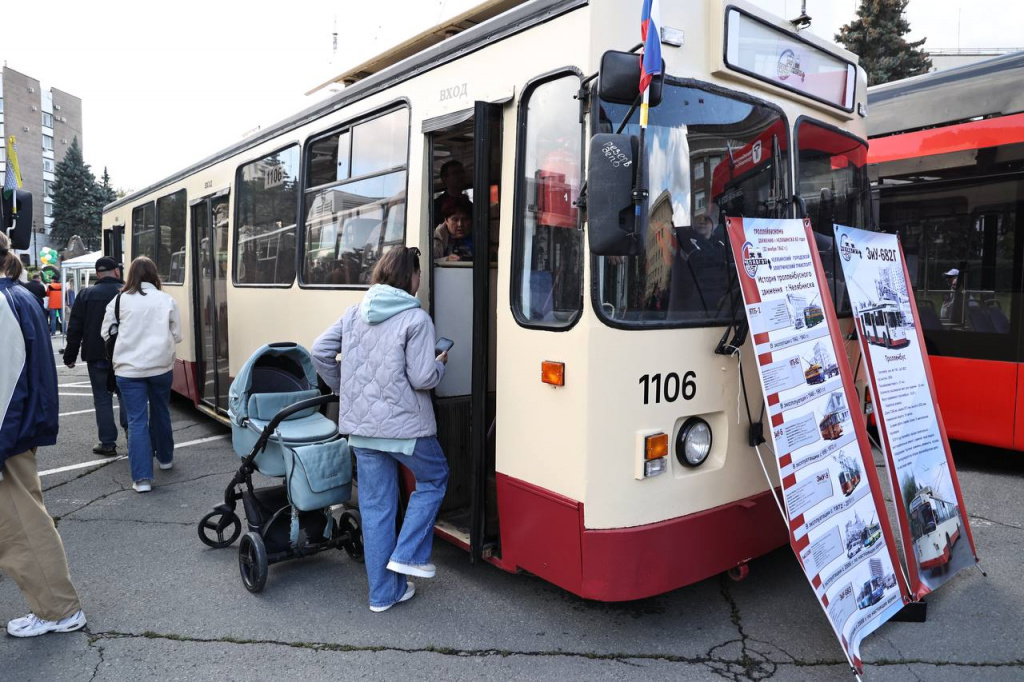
(384, 378)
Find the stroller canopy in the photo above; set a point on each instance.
(273, 368)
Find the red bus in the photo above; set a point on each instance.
(947, 159)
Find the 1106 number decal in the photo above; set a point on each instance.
(668, 388)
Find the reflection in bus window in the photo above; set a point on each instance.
(548, 242)
(958, 233)
(352, 219)
(170, 256)
(833, 182)
(267, 200)
(711, 156)
(144, 232)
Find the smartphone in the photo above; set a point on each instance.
(443, 345)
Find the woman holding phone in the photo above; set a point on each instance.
(388, 367)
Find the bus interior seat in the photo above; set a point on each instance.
(1000, 322)
(980, 321)
(929, 318)
(541, 295)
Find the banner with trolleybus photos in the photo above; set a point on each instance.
(834, 507)
(929, 505)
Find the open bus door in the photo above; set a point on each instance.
(463, 306)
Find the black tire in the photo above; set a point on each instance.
(351, 524)
(219, 522)
(252, 562)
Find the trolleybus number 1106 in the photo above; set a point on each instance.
(671, 388)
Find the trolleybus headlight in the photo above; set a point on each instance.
(693, 443)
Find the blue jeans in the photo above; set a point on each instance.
(53, 312)
(147, 402)
(103, 400)
(378, 505)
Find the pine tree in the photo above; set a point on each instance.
(76, 205)
(105, 193)
(877, 37)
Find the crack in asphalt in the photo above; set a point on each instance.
(144, 521)
(102, 465)
(93, 644)
(624, 658)
(998, 523)
(751, 664)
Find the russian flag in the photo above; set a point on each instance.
(650, 30)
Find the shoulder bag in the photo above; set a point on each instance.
(112, 332)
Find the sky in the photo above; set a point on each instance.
(164, 84)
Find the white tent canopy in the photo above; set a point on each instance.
(75, 275)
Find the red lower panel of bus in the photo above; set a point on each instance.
(542, 532)
(978, 399)
(185, 379)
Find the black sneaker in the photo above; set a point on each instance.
(105, 450)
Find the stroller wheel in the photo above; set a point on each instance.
(252, 562)
(219, 528)
(351, 526)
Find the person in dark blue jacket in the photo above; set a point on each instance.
(31, 551)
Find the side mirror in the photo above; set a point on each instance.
(619, 81)
(611, 214)
(17, 225)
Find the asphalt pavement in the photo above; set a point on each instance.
(162, 606)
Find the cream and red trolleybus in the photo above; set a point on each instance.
(590, 427)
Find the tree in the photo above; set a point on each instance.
(77, 208)
(877, 37)
(105, 193)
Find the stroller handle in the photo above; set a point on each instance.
(289, 411)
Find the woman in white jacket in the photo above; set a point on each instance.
(148, 327)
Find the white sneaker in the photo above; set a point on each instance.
(168, 466)
(410, 590)
(418, 570)
(33, 626)
(142, 486)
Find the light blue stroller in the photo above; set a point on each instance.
(277, 430)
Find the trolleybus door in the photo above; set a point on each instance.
(210, 265)
(463, 307)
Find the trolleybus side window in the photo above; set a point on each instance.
(268, 193)
(548, 244)
(355, 199)
(832, 179)
(170, 215)
(711, 155)
(958, 217)
(144, 232)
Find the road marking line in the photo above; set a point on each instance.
(78, 384)
(96, 462)
(68, 414)
(77, 394)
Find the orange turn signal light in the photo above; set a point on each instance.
(656, 446)
(552, 373)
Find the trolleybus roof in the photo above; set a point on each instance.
(515, 20)
(986, 88)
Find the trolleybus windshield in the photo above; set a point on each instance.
(710, 155)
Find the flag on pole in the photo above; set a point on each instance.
(650, 31)
(12, 176)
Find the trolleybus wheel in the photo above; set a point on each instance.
(252, 562)
(351, 524)
(738, 573)
(224, 525)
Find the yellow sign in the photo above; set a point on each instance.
(12, 159)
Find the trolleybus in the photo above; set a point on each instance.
(882, 325)
(589, 425)
(935, 527)
(947, 158)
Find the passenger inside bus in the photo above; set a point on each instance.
(453, 178)
(453, 238)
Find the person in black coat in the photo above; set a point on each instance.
(35, 285)
(84, 333)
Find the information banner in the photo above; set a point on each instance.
(833, 500)
(925, 487)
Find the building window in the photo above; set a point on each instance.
(355, 211)
(49, 165)
(47, 120)
(47, 209)
(48, 188)
(48, 142)
(268, 197)
(170, 216)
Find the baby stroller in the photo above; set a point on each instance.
(276, 429)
